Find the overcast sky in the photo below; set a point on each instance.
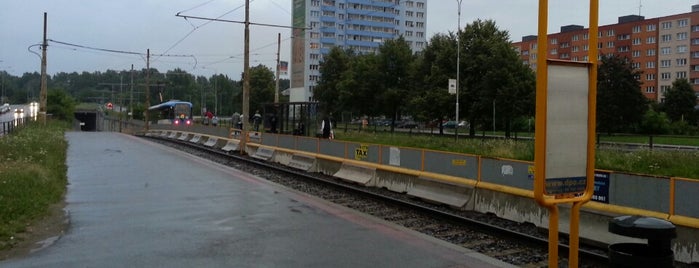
(137, 25)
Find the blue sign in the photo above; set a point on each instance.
(601, 193)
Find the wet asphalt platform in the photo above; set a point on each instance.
(134, 203)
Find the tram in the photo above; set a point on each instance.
(173, 112)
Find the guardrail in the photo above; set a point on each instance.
(8, 127)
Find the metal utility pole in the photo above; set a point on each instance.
(276, 87)
(246, 76)
(458, 71)
(131, 96)
(43, 93)
(147, 85)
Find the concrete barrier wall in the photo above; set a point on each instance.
(452, 164)
(363, 152)
(286, 141)
(643, 192)
(332, 148)
(270, 139)
(306, 144)
(401, 157)
(686, 193)
(507, 172)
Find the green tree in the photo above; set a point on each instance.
(60, 105)
(620, 104)
(435, 65)
(680, 100)
(654, 123)
(493, 76)
(394, 59)
(333, 66)
(261, 87)
(357, 90)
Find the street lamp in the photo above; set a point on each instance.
(458, 63)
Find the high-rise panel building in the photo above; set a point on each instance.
(360, 25)
(664, 48)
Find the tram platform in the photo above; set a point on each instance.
(134, 203)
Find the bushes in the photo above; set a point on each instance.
(32, 176)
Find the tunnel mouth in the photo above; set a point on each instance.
(88, 120)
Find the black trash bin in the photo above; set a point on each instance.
(658, 251)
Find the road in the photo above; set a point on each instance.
(7, 118)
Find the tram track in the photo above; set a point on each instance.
(519, 244)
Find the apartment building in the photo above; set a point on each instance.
(361, 25)
(664, 48)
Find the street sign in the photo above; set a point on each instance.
(452, 86)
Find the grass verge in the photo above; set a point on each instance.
(32, 176)
(655, 162)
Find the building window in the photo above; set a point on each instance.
(681, 62)
(665, 63)
(650, 27)
(650, 52)
(554, 41)
(650, 77)
(636, 41)
(636, 29)
(681, 49)
(682, 23)
(576, 49)
(682, 36)
(665, 76)
(610, 44)
(576, 37)
(610, 33)
(636, 65)
(650, 65)
(636, 53)
(665, 50)
(681, 74)
(666, 38)
(623, 49)
(695, 28)
(695, 55)
(586, 36)
(695, 41)
(586, 47)
(666, 24)
(650, 89)
(650, 40)
(554, 51)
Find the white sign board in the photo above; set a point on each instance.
(566, 128)
(452, 86)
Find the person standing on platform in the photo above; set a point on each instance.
(256, 119)
(326, 127)
(273, 123)
(235, 120)
(209, 115)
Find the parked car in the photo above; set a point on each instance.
(406, 124)
(452, 124)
